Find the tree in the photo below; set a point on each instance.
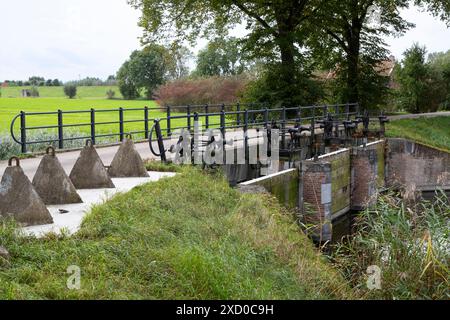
(438, 8)
(352, 44)
(440, 73)
(413, 76)
(70, 90)
(145, 70)
(276, 30)
(49, 83)
(56, 83)
(221, 57)
(177, 59)
(36, 81)
(127, 86)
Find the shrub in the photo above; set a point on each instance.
(128, 90)
(34, 92)
(70, 90)
(110, 94)
(211, 90)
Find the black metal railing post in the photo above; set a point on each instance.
(246, 151)
(121, 131)
(283, 128)
(238, 115)
(188, 117)
(146, 122)
(23, 132)
(222, 123)
(207, 116)
(266, 117)
(60, 130)
(93, 126)
(160, 139)
(169, 129)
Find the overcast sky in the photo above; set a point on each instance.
(80, 38)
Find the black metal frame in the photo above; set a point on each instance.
(231, 117)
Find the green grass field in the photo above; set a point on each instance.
(434, 132)
(91, 92)
(9, 107)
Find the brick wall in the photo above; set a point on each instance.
(412, 164)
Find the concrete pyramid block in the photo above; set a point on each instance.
(127, 162)
(19, 199)
(52, 183)
(89, 171)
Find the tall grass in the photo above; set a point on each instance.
(409, 242)
(187, 237)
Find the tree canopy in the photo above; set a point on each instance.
(221, 57)
(293, 38)
(275, 29)
(148, 68)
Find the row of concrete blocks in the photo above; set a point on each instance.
(26, 201)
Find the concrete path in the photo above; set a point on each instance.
(70, 222)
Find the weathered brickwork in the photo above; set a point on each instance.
(325, 190)
(367, 174)
(412, 164)
(340, 181)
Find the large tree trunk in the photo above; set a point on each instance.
(353, 70)
(288, 68)
(287, 76)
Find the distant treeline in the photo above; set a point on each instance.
(42, 82)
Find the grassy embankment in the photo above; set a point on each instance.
(190, 236)
(434, 132)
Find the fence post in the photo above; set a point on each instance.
(23, 132)
(93, 126)
(266, 117)
(222, 123)
(189, 118)
(146, 122)
(159, 137)
(347, 110)
(207, 116)
(238, 115)
(246, 136)
(283, 128)
(60, 130)
(121, 133)
(169, 130)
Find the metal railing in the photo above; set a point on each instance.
(222, 116)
